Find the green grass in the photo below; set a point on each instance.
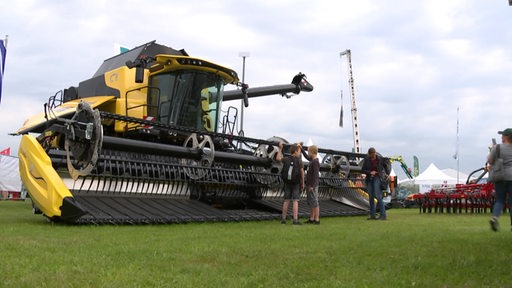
(408, 250)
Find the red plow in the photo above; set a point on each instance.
(463, 198)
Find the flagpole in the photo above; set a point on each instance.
(458, 145)
(3, 51)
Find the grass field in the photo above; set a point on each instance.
(408, 250)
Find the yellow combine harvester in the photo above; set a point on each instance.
(145, 141)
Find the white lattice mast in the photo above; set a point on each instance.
(355, 127)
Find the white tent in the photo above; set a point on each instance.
(462, 176)
(392, 173)
(430, 178)
(10, 181)
(433, 175)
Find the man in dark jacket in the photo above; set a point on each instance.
(375, 171)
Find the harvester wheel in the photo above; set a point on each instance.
(344, 166)
(268, 151)
(84, 147)
(197, 169)
(339, 168)
(329, 160)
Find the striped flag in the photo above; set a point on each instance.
(3, 51)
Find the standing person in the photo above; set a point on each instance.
(502, 188)
(293, 177)
(373, 168)
(312, 183)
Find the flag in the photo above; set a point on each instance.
(6, 152)
(120, 49)
(416, 166)
(341, 110)
(3, 51)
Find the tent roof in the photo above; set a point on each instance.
(453, 173)
(392, 173)
(433, 175)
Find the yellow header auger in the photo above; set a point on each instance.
(145, 141)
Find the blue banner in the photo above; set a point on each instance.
(3, 51)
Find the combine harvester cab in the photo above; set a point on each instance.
(144, 141)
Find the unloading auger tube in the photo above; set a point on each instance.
(100, 158)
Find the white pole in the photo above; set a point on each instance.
(243, 55)
(457, 153)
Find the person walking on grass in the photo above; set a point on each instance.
(293, 176)
(312, 183)
(503, 188)
(373, 168)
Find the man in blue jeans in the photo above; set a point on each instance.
(373, 168)
(503, 187)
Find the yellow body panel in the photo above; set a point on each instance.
(133, 100)
(134, 105)
(66, 108)
(122, 79)
(46, 188)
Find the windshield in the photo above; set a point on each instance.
(186, 98)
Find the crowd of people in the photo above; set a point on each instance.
(375, 170)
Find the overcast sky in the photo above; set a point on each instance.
(414, 63)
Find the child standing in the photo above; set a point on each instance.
(312, 184)
(292, 190)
